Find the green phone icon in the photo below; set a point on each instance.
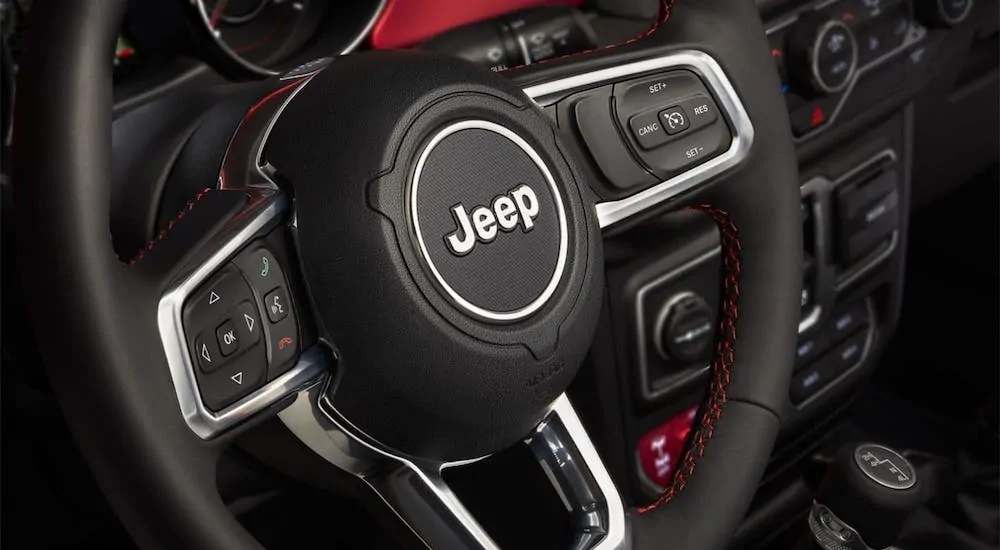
(267, 267)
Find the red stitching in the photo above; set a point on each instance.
(724, 356)
(163, 234)
(666, 6)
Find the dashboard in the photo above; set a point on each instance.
(892, 104)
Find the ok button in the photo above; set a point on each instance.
(647, 130)
(228, 341)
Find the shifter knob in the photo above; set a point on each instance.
(867, 494)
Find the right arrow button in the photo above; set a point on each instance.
(247, 321)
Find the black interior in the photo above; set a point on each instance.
(897, 321)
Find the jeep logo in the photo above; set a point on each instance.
(518, 207)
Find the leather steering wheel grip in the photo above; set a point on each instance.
(106, 365)
(112, 379)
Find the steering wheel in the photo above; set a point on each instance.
(400, 255)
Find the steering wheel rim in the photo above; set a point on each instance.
(159, 475)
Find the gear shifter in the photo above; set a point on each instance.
(867, 494)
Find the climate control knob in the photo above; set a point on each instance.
(823, 56)
(941, 14)
(685, 329)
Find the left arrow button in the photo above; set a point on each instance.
(207, 352)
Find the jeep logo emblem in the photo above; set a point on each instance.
(488, 222)
(518, 207)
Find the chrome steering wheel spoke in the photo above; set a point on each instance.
(415, 490)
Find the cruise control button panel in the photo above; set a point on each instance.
(671, 122)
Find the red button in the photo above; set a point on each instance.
(661, 448)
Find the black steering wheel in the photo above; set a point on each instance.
(400, 255)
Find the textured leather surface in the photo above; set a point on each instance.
(159, 476)
(107, 366)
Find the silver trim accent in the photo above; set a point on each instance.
(264, 72)
(865, 467)
(553, 284)
(612, 212)
(243, 19)
(202, 421)
(258, 162)
(814, 69)
(830, 533)
(400, 480)
(549, 441)
(366, 29)
(954, 20)
(810, 320)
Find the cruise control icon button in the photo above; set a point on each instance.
(674, 120)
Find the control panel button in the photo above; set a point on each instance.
(847, 354)
(234, 380)
(656, 92)
(647, 130)
(591, 111)
(660, 450)
(810, 380)
(208, 319)
(280, 331)
(247, 321)
(276, 303)
(864, 224)
(260, 268)
(862, 11)
(809, 349)
(283, 347)
(213, 299)
(226, 337)
(674, 120)
(873, 43)
(823, 55)
(848, 319)
(701, 111)
(207, 353)
(813, 115)
(685, 329)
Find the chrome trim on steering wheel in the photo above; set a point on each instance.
(612, 212)
(203, 422)
(409, 484)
